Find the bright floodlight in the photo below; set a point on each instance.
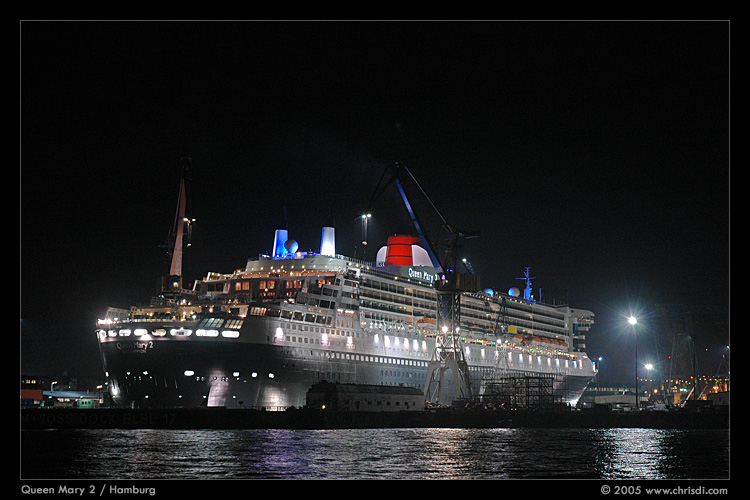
(632, 320)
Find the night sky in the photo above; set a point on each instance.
(595, 153)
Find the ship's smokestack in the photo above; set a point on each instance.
(328, 242)
(399, 251)
(403, 250)
(279, 240)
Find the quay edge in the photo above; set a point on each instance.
(224, 418)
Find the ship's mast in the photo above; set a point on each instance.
(527, 279)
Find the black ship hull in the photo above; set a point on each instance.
(169, 373)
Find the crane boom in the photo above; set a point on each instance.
(420, 232)
(179, 235)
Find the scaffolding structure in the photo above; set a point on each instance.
(521, 392)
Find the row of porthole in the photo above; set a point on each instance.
(161, 332)
(236, 375)
(191, 373)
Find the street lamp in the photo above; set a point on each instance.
(695, 368)
(633, 321)
(364, 218)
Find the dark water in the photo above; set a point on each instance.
(376, 454)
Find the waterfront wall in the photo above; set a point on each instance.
(223, 418)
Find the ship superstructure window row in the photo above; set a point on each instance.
(334, 355)
(388, 296)
(477, 315)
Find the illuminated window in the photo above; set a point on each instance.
(234, 324)
(206, 333)
(208, 323)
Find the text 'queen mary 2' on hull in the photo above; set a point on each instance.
(261, 336)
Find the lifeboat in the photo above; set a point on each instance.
(559, 343)
(428, 323)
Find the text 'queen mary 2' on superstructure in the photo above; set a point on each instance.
(261, 336)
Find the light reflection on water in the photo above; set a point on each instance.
(377, 454)
(661, 454)
(626, 453)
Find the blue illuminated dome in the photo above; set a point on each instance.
(291, 246)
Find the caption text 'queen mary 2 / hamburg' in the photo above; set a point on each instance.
(261, 336)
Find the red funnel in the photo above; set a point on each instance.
(399, 250)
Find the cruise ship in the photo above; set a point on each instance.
(262, 335)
